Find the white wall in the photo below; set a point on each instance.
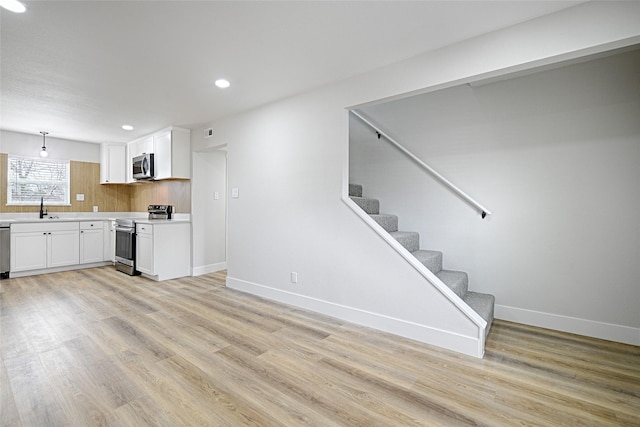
(289, 217)
(289, 161)
(555, 156)
(208, 214)
(22, 144)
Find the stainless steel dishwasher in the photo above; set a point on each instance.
(5, 247)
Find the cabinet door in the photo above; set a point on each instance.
(141, 146)
(145, 145)
(91, 246)
(109, 242)
(28, 251)
(63, 248)
(113, 161)
(180, 153)
(144, 253)
(162, 147)
(117, 169)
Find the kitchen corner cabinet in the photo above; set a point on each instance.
(172, 150)
(91, 242)
(163, 249)
(113, 164)
(36, 246)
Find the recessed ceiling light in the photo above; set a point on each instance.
(13, 6)
(222, 83)
(127, 127)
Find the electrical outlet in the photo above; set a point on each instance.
(95, 209)
(216, 195)
(294, 277)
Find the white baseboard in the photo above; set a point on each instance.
(589, 328)
(423, 333)
(211, 268)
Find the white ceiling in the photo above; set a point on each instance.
(81, 69)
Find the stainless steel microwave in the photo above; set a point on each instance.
(143, 167)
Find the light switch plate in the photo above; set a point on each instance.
(80, 197)
(235, 193)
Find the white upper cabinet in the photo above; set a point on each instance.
(113, 164)
(141, 146)
(172, 149)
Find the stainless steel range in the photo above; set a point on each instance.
(126, 246)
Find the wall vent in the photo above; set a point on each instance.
(208, 133)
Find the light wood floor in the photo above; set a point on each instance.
(99, 348)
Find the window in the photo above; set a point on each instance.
(29, 179)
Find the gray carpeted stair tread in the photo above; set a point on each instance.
(388, 222)
(355, 190)
(482, 304)
(409, 239)
(457, 281)
(430, 259)
(370, 206)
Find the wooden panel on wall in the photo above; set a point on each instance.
(115, 197)
(171, 192)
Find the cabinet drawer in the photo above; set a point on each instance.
(29, 227)
(144, 229)
(91, 225)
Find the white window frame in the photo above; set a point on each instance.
(54, 187)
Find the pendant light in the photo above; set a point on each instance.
(44, 152)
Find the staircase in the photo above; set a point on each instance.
(457, 281)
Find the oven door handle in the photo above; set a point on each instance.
(129, 230)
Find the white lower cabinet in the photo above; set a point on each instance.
(109, 242)
(28, 251)
(62, 248)
(163, 249)
(144, 249)
(91, 242)
(47, 245)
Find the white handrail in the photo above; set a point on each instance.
(483, 211)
